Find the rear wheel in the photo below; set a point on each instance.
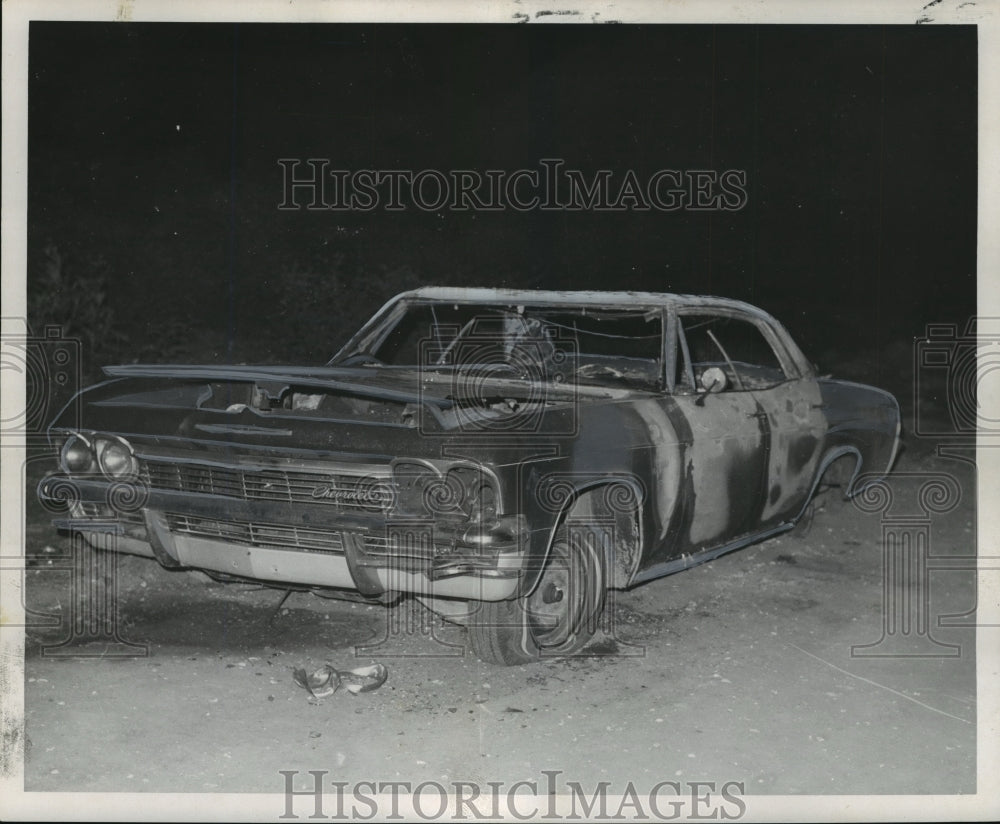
(558, 616)
(832, 489)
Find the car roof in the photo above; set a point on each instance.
(579, 298)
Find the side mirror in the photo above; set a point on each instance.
(712, 380)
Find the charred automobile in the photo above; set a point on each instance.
(505, 456)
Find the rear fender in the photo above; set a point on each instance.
(828, 459)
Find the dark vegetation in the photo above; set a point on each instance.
(154, 232)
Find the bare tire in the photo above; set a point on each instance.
(557, 617)
(836, 477)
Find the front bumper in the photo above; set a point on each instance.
(294, 544)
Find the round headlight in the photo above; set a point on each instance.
(76, 455)
(116, 459)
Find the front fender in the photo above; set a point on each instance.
(609, 506)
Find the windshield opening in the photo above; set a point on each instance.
(598, 346)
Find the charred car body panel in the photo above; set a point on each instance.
(450, 445)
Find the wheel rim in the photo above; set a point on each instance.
(558, 605)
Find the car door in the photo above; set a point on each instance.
(728, 456)
(794, 408)
(787, 404)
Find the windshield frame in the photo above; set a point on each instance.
(377, 330)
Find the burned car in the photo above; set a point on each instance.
(506, 456)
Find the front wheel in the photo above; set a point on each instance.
(558, 616)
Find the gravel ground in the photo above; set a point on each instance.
(740, 670)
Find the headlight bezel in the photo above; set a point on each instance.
(452, 492)
(107, 446)
(97, 454)
(85, 449)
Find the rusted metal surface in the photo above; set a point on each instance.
(269, 460)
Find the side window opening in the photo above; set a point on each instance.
(735, 346)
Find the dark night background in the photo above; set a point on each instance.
(154, 183)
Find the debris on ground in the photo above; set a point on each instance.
(328, 679)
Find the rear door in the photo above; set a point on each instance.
(786, 406)
(729, 430)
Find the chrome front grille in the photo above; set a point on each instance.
(349, 492)
(288, 536)
(255, 534)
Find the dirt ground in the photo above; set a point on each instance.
(738, 670)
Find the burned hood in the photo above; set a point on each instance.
(362, 410)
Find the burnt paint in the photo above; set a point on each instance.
(747, 480)
(612, 438)
(862, 417)
(678, 522)
(801, 451)
(728, 453)
(797, 425)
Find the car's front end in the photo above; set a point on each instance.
(204, 473)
